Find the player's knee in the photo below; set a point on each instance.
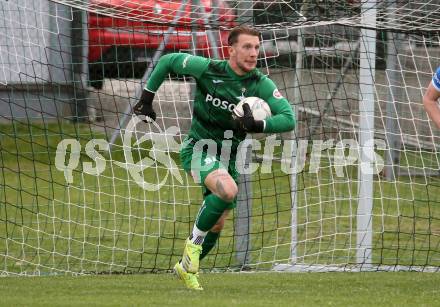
(229, 192)
(222, 184)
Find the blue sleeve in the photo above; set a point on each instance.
(436, 79)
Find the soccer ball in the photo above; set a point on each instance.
(260, 109)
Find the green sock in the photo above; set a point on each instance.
(211, 210)
(209, 243)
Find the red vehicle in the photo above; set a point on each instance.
(122, 46)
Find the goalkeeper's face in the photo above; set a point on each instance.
(243, 53)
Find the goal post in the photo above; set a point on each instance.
(367, 70)
(356, 187)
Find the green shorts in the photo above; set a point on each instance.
(200, 162)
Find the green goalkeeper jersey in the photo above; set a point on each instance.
(219, 90)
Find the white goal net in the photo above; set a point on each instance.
(87, 188)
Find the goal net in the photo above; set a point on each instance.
(85, 187)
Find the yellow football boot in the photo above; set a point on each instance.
(190, 279)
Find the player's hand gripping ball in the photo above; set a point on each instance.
(259, 108)
(249, 115)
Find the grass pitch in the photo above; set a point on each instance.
(107, 223)
(227, 289)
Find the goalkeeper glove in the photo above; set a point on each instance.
(145, 105)
(247, 123)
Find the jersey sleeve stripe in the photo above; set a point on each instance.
(148, 90)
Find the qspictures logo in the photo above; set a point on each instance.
(291, 154)
(68, 153)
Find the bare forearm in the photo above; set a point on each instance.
(433, 110)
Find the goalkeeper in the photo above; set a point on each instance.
(221, 84)
(430, 98)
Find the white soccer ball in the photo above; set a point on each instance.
(260, 109)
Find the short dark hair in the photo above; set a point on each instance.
(235, 33)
